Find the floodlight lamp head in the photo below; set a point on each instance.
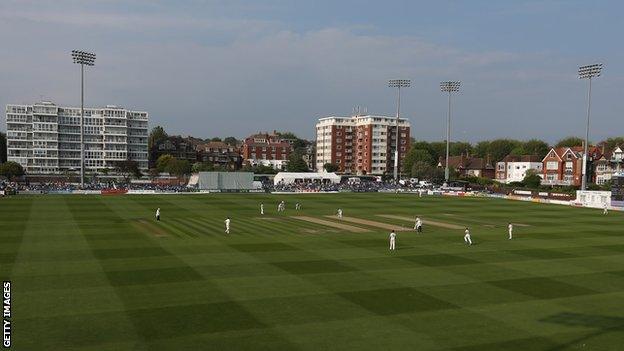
(590, 71)
(399, 83)
(450, 86)
(83, 57)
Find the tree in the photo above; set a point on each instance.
(230, 141)
(420, 170)
(215, 139)
(570, 142)
(11, 169)
(459, 147)
(500, 148)
(296, 163)
(178, 167)
(536, 147)
(331, 167)
(437, 149)
(609, 144)
(517, 151)
(157, 135)
(128, 169)
(3, 148)
(259, 169)
(416, 155)
(287, 135)
(531, 179)
(482, 148)
(298, 144)
(163, 162)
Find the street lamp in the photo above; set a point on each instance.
(449, 87)
(588, 72)
(398, 83)
(82, 58)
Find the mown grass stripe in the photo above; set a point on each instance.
(171, 229)
(200, 230)
(184, 227)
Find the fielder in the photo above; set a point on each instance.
(510, 230)
(261, 208)
(227, 225)
(392, 240)
(158, 214)
(340, 213)
(418, 225)
(297, 206)
(605, 209)
(467, 239)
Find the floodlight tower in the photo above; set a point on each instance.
(82, 58)
(449, 87)
(398, 83)
(588, 72)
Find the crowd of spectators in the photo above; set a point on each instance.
(267, 186)
(368, 186)
(60, 187)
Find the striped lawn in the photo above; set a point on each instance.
(99, 273)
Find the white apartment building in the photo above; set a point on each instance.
(45, 138)
(514, 168)
(361, 144)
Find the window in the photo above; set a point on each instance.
(568, 164)
(552, 165)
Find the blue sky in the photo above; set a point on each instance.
(220, 68)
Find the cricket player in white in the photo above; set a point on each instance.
(297, 206)
(158, 214)
(392, 240)
(261, 208)
(340, 213)
(605, 209)
(418, 225)
(227, 225)
(467, 239)
(510, 229)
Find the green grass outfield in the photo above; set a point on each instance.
(98, 273)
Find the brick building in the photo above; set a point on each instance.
(361, 144)
(266, 149)
(177, 146)
(220, 155)
(563, 166)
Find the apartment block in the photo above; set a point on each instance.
(361, 144)
(45, 138)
